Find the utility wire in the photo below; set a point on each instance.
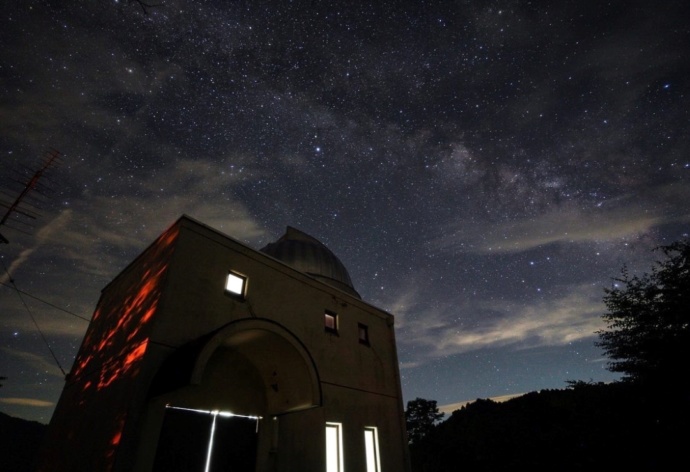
(34, 320)
(64, 310)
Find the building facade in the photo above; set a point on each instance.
(205, 354)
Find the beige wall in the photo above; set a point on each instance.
(267, 355)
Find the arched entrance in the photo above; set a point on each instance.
(242, 377)
(272, 360)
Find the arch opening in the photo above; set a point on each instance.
(257, 367)
(250, 368)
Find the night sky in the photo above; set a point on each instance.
(483, 169)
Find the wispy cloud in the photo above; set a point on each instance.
(437, 333)
(45, 234)
(575, 222)
(53, 323)
(451, 407)
(101, 239)
(34, 362)
(27, 402)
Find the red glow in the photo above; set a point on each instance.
(131, 361)
(111, 354)
(136, 354)
(121, 324)
(114, 441)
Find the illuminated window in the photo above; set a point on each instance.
(236, 284)
(371, 447)
(363, 334)
(334, 447)
(330, 320)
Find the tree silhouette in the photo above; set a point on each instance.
(588, 426)
(648, 334)
(145, 6)
(420, 417)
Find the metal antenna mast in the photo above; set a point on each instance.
(51, 159)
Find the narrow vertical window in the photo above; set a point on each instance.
(330, 320)
(236, 284)
(371, 447)
(363, 334)
(334, 447)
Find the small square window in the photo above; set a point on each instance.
(330, 320)
(236, 284)
(363, 333)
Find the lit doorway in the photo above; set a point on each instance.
(206, 441)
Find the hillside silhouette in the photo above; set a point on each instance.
(586, 427)
(20, 442)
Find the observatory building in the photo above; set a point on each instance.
(205, 355)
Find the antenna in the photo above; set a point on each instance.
(52, 159)
(19, 207)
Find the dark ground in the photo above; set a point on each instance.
(20, 441)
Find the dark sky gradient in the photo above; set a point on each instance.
(483, 169)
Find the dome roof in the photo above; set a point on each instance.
(306, 254)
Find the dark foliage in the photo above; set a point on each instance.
(587, 427)
(20, 442)
(648, 335)
(420, 417)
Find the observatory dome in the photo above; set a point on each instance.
(306, 254)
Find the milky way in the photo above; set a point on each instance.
(483, 169)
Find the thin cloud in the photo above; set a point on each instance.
(551, 323)
(53, 323)
(607, 221)
(100, 240)
(47, 233)
(573, 317)
(27, 402)
(35, 363)
(451, 407)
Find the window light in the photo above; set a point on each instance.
(330, 320)
(371, 448)
(236, 284)
(334, 447)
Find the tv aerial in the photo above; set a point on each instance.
(24, 206)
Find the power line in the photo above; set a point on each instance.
(46, 302)
(52, 353)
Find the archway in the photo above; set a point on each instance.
(268, 359)
(253, 368)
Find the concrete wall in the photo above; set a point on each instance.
(266, 354)
(104, 386)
